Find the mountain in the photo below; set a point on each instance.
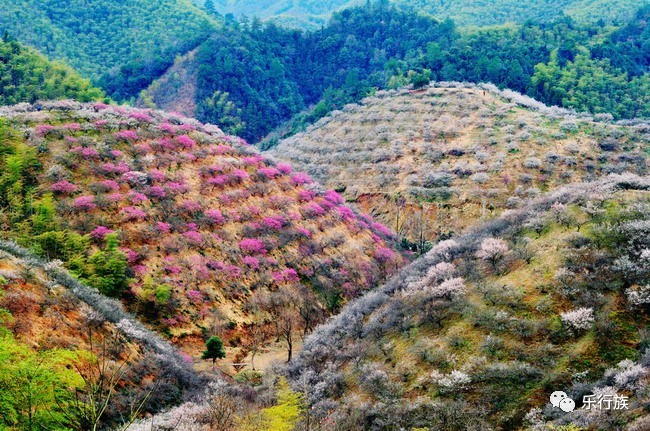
(263, 82)
(480, 332)
(195, 231)
(72, 359)
(430, 163)
(313, 14)
(98, 35)
(27, 76)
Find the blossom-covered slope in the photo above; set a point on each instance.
(183, 223)
(432, 162)
(480, 332)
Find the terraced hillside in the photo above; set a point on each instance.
(432, 162)
(481, 331)
(195, 231)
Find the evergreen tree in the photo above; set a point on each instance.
(214, 349)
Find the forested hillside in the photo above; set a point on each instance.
(27, 76)
(311, 14)
(97, 35)
(251, 78)
(194, 231)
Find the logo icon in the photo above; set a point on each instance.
(562, 401)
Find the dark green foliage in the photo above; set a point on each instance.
(312, 13)
(97, 35)
(109, 269)
(270, 73)
(214, 349)
(26, 76)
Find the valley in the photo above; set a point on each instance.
(377, 215)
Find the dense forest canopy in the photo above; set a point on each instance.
(27, 76)
(313, 13)
(95, 36)
(252, 77)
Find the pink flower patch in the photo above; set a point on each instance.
(126, 135)
(133, 213)
(268, 172)
(312, 209)
(137, 198)
(288, 275)
(306, 195)
(252, 246)
(193, 237)
(215, 216)
(85, 203)
(141, 116)
(252, 262)
(274, 222)
(191, 206)
(163, 227)
(334, 197)
(100, 232)
(63, 187)
(168, 128)
(301, 178)
(185, 141)
(44, 129)
(284, 168)
(345, 213)
(240, 174)
(384, 255)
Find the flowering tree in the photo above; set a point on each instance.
(492, 250)
(580, 319)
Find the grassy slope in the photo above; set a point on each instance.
(189, 276)
(389, 155)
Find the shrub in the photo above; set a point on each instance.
(579, 319)
(132, 213)
(251, 262)
(126, 135)
(252, 246)
(100, 232)
(84, 203)
(185, 141)
(492, 250)
(63, 187)
(215, 216)
(639, 296)
(532, 163)
(301, 178)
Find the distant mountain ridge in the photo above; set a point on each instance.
(313, 14)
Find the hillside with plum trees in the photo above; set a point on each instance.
(432, 162)
(194, 230)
